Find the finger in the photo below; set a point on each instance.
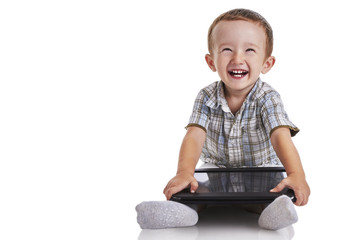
(306, 199)
(168, 193)
(279, 187)
(165, 189)
(194, 186)
(173, 190)
(299, 199)
(168, 189)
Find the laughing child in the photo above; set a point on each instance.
(238, 121)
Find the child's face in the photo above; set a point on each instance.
(239, 54)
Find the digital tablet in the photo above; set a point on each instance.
(235, 186)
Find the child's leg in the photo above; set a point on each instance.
(165, 214)
(169, 214)
(279, 214)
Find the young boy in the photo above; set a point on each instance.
(238, 121)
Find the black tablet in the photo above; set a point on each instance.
(235, 186)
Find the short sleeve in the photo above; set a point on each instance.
(200, 116)
(274, 116)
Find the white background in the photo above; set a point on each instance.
(95, 95)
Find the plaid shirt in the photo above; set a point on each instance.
(243, 139)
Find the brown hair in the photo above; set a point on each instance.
(246, 15)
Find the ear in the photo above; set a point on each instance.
(268, 64)
(210, 62)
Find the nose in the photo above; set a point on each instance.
(238, 58)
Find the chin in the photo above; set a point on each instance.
(240, 85)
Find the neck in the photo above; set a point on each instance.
(235, 99)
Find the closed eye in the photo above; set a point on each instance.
(226, 49)
(250, 50)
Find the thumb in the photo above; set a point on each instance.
(193, 186)
(279, 187)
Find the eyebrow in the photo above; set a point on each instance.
(246, 43)
(252, 44)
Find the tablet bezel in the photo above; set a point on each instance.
(217, 198)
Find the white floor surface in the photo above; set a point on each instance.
(95, 95)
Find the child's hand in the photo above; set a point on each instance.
(179, 182)
(298, 184)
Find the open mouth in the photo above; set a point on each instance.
(238, 73)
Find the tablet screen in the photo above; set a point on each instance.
(237, 181)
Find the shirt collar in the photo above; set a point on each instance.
(217, 98)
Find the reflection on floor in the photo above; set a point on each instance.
(221, 223)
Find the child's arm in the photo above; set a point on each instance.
(189, 155)
(289, 156)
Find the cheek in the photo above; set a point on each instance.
(221, 62)
(255, 66)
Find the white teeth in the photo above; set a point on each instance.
(239, 72)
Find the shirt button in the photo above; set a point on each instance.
(228, 115)
(243, 130)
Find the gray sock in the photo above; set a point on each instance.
(165, 214)
(279, 214)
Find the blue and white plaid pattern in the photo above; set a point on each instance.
(243, 139)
